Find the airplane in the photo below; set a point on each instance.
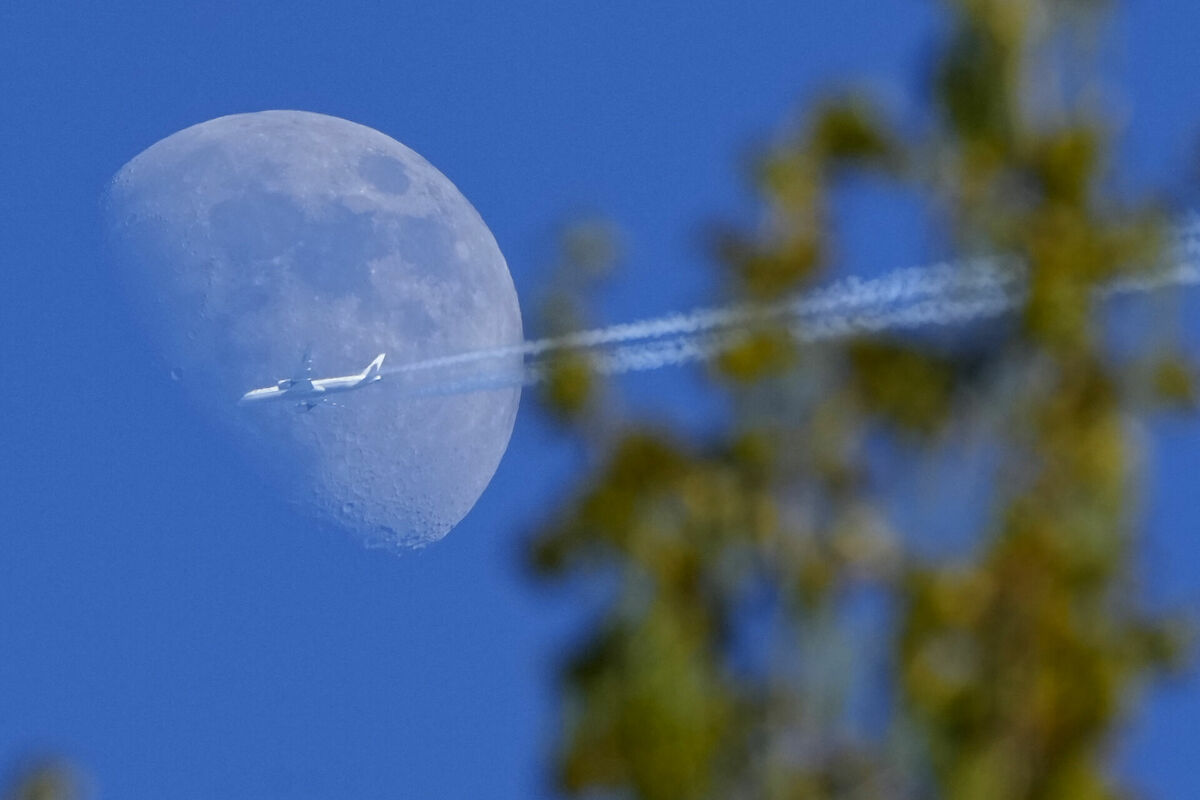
(310, 393)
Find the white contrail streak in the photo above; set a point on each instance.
(696, 347)
(944, 294)
(844, 297)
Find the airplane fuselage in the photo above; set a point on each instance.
(307, 392)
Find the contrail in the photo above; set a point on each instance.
(695, 347)
(844, 297)
(916, 297)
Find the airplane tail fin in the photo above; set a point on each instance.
(371, 373)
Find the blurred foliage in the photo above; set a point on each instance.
(736, 559)
(590, 248)
(45, 781)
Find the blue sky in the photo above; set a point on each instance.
(167, 622)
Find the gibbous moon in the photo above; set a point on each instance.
(246, 239)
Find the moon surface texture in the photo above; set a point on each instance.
(246, 239)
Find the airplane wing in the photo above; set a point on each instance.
(302, 379)
(304, 371)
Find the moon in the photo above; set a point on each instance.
(245, 239)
